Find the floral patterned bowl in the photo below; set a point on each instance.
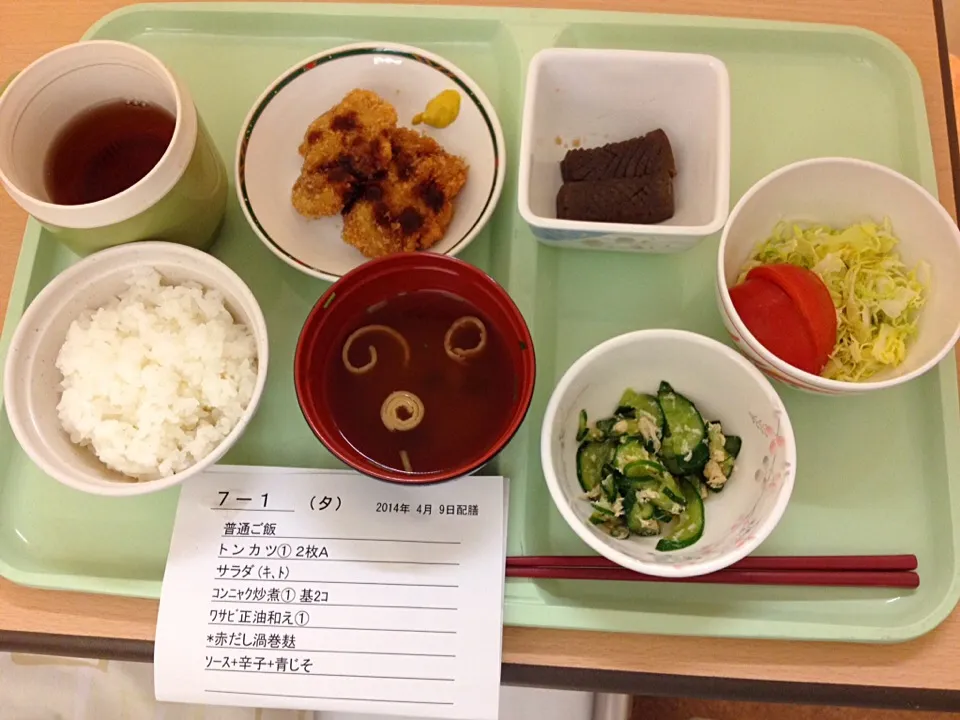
(725, 387)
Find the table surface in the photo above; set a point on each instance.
(47, 621)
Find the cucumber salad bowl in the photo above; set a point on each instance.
(668, 453)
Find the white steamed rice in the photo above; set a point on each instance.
(154, 380)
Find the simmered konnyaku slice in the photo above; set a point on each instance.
(649, 154)
(631, 200)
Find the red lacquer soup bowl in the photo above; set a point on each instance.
(415, 368)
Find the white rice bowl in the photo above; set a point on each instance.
(155, 379)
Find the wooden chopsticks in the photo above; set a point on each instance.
(890, 571)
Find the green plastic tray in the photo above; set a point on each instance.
(878, 474)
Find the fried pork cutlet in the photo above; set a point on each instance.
(394, 186)
(345, 146)
(412, 207)
(361, 117)
(321, 194)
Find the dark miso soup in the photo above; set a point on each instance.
(441, 389)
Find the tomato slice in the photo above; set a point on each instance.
(774, 320)
(811, 298)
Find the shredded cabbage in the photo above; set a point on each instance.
(877, 297)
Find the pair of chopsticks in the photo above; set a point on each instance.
(889, 571)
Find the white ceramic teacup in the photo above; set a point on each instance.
(182, 199)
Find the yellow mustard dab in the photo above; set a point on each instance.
(441, 110)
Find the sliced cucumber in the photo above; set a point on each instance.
(640, 520)
(599, 516)
(591, 457)
(582, 427)
(630, 452)
(640, 416)
(619, 532)
(649, 490)
(731, 448)
(732, 445)
(626, 427)
(689, 526)
(672, 488)
(644, 468)
(639, 405)
(610, 516)
(719, 467)
(726, 467)
(684, 431)
(647, 468)
(698, 484)
(604, 426)
(642, 429)
(685, 465)
(609, 486)
(662, 515)
(598, 433)
(643, 510)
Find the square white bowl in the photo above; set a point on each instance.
(593, 97)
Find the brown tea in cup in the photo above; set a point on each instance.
(105, 150)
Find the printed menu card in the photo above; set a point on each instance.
(323, 590)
